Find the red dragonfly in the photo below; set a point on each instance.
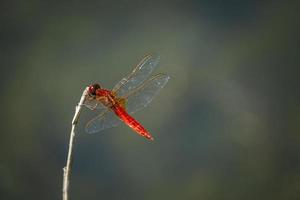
(131, 94)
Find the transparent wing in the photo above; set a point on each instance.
(144, 94)
(140, 73)
(107, 119)
(94, 104)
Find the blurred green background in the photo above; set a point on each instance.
(226, 126)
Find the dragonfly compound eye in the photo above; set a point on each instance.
(93, 88)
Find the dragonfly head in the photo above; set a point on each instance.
(93, 88)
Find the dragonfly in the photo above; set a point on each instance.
(133, 93)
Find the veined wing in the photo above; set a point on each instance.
(94, 104)
(144, 94)
(107, 119)
(140, 73)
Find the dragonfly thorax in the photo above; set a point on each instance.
(105, 97)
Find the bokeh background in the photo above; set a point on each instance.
(226, 126)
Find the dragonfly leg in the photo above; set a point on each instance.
(94, 107)
(91, 107)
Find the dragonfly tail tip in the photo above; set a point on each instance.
(150, 138)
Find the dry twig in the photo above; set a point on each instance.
(67, 169)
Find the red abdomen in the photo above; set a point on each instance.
(131, 122)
